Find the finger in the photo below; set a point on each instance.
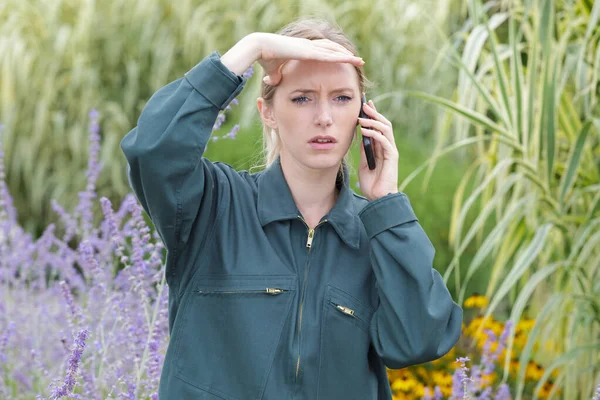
(333, 46)
(375, 124)
(334, 56)
(379, 126)
(329, 55)
(372, 111)
(388, 149)
(272, 80)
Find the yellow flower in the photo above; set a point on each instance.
(546, 389)
(488, 380)
(514, 366)
(476, 301)
(419, 390)
(394, 374)
(422, 373)
(446, 390)
(404, 383)
(520, 339)
(534, 371)
(441, 378)
(497, 328)
(525, 325)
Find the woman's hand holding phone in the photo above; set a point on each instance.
(382, 179)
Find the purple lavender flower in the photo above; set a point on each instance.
(69, 222)
(66, 389)
(7, 210)
(112, 225)
(486, 394)
(249, 72)
(219, 121)
(437, 393)
(84, 208)
(4, 340)
(597, 394)
(487, 357)
(234, 131)
(503, 392)
(75, 313)
(460, 379)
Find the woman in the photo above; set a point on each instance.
(285, 284)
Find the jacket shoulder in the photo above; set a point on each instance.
(242, 180)
(359, 201)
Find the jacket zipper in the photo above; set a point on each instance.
(265, 290)
(309, 240)
(347, 311)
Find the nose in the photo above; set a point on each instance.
(323, 117)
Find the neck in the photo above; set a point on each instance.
(313, 190)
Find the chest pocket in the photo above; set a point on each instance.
(230, 331)
(345, 372)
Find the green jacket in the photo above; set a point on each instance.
(260, 306)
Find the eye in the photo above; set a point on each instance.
(297, 99)
(343, 97)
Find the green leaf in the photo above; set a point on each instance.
(493, 239)
(549, 101)
(521, 265)
(549, 309)
(517, 70)
(475, 117)
(573, 164)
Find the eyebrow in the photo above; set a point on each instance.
(344, 89)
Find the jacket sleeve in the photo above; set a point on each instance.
(416, 320)
(171, 179)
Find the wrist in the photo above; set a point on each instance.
(243, 54)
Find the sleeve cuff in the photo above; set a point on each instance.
(215, 81)
(386, 212)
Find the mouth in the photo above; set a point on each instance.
(322, 142)
(322, 139)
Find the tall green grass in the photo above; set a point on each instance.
(62, 58)
(526, 105)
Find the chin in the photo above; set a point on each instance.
(323, 161)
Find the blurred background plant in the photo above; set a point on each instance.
(495, 109)
(484, 343)
(527, 102)
(62, 58)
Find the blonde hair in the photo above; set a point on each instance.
(312, 28)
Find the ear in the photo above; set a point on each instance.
(266, 113)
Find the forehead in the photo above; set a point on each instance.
(317, 75)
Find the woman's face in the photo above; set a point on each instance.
(316, 99)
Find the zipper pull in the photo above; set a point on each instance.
(311, 234)
(274, 290)
(345, 310)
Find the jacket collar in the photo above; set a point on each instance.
(275, 203)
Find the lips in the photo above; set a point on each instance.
(322, 142)
(322, 139)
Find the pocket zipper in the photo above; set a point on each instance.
(272, 291)
(345, 310)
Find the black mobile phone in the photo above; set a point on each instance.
(367, 142)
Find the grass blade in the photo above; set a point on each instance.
(573, 164)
